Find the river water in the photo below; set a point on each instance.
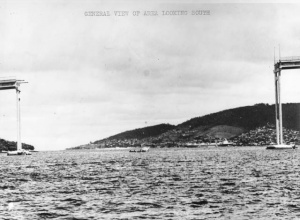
(215, 183)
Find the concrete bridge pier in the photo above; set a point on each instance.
(281, 64)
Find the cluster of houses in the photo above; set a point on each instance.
(265, 135)
(261, 136)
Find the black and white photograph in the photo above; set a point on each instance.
(136, 109)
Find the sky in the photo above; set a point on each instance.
(90, 77)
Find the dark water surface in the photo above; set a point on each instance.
(221, 183)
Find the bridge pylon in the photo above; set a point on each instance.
(7, 84)
(282, 64)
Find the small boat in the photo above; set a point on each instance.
(211, 145)
(281, 147)
(145, 149)
(225, 143)
(192, 145)
(18, 152)
(142, 148)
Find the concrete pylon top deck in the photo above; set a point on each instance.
(287, 63)
(10, 83)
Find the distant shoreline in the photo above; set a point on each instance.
(154, 148)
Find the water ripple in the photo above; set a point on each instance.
(221, 183)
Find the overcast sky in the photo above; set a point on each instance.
(91, 77)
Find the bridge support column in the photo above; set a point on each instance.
(282, 64)
(19, 143)
(278, 108)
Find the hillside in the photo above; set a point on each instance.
(264, 136)
(213, 127)
(141, 133)
(11, 145)
(249, 117)
(132, 137)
